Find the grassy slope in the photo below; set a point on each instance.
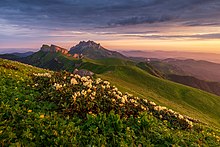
(128, 77)
(55, 61)
(19, 106)
(184, 99)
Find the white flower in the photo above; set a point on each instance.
(89, 90)
(125, 97)
(156, 108)
(180, 116)
(42, 75)
(119, 93)
(74, 97)
(84, 79)
(145, 100)
(123, 100)
(152, 103)
(132, 100)
(83, 92)
(78, 93)
(98, 80)
(73, 81)
(103, 87)
(57, 86)
(93, 93)
(108, 86)
(77, 76)
(142, 107)
(88, 84)
(118, 96)
(92, 98)
(171, 111)
(115, 89)
(106, 82)
(190, 124)
(159, 108)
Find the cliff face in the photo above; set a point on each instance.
(53, 49)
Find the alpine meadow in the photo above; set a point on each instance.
(137, 73)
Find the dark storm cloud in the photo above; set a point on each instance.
(90, 14)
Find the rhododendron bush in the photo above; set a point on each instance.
(86, 95)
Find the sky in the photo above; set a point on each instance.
(180, 25)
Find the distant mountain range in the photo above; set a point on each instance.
(200, 69)
(213, 57)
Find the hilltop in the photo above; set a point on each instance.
(54, 108)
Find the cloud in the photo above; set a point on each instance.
(112, 19)
(141, 20)
(195, 36)
(102, 13)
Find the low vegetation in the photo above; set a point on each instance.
(43, 108)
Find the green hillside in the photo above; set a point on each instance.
(54, 61)
(189, 101)
(136, 78)
(184, 99)
(44, 108)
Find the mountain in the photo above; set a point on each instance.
(53, 49)
(59, 108)
(198, 74)
(212, 87)
(52, 57)
(92, 50)
(21, 55)
(212, 57)
(15, 56)
(199, 69)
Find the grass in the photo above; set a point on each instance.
(26, 120)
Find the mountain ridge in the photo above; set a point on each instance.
(53, 48)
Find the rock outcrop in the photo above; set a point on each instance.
(53, 49)
(83, 72)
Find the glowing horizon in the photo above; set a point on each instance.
(117, 25)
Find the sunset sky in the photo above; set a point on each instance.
(183, 25)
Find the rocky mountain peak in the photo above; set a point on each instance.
(93, 50)
(88, 44)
